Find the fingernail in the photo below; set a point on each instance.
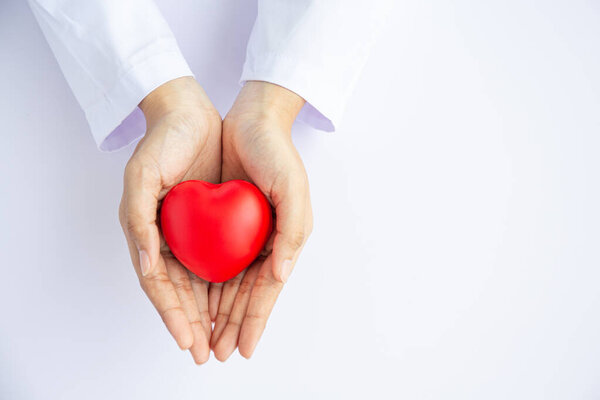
(144, 262)
(286, 269)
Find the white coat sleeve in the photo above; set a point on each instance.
(112, 54)
(315, 48)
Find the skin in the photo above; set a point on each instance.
(257, 147)
(182, 142)
(186, 139)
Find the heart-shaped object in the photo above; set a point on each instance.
(216, 230)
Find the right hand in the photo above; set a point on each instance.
(258, 147)
(182, 142)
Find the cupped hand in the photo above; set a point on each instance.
(182, 141)
(257, 147)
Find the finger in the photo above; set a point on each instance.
(183, 287)
(290, 201)
(228, 340)
(137, 212)
(158, 287)
(268, 249)
(228, 293)
(264, 293)
(214, 297)
(200, 289)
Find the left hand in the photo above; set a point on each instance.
(183, 141)
(257, 147)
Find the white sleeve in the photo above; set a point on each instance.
(315, 48)
(112, 53)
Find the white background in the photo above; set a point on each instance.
(455, 251)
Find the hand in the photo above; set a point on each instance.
(182, 141)
(257, 147)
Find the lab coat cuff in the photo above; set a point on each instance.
(115, 119)
(324, 100)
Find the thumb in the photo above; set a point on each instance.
(291, 233)
(138, 212)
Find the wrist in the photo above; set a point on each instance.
(266, 103)
(178, 95)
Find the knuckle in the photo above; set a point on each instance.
(234, 322)
(152, 280)
(261, 281)
(131, 222)
(169, 310)
(260, 319)
(132, 228)
(264, 282)
(223, 315)
(205, 317)
(296, 239)
(245, 288)
(182, 285)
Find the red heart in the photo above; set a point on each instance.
(216, 230)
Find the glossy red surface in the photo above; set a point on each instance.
(216, 230)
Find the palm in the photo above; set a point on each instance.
(181, 146)
(245, 302)
(194, 157)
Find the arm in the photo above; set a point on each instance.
(112, 53)
(316, 49)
